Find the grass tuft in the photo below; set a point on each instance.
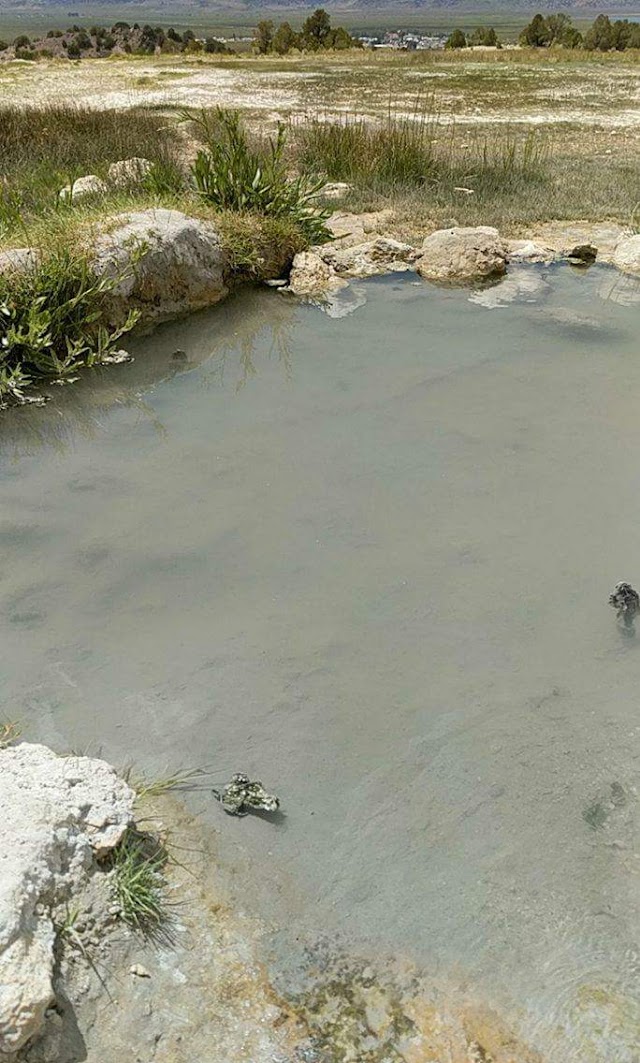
(139, 884)
(10, 732)
(180, 780)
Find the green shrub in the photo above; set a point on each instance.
(26, 53)
(213, 46)
(22, 41)
(234, 175)
(3, 46)
(50, 322)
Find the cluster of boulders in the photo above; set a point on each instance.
(458, 255)
(123, 174)
(165, 264)
(59, 816)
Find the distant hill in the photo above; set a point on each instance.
(203, 8)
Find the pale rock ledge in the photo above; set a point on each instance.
(58, 815)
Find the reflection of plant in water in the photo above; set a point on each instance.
(78, 411)
(252, 330)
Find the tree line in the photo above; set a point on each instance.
(317, 34)
(603, 36)
(558, 31)
(483, 37)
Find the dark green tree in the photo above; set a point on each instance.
(456, 39)
(536, 34)
(316, 29)
(264, 37)
(601, 36)
(485, 37)
(285, 39)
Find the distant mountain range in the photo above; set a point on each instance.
(487, 7)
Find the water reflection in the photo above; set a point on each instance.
(251, 319)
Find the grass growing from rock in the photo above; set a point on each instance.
(10, 732)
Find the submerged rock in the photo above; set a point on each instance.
(57, 813)
(168, 265)
(461, 255)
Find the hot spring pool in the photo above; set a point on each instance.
(366, 558)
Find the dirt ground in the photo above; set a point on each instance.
(489, 88)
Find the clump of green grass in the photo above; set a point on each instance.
(234, 173)
(183, 779)
(415, 153)
(51, 322)
(259, 247)
(45, 148)
(139, 883)
(397, 152)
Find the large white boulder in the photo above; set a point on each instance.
(167, 264)
(461, 255)
(57, 814)
(626, 255)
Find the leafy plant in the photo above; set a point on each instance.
(51, 323)
(235, 175)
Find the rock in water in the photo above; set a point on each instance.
(240, 795)
(57, 814)
(463, 255)
(626, 602)
(582, 255)
(167, 265)
(310, 275)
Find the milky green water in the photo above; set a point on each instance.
(367, 559)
